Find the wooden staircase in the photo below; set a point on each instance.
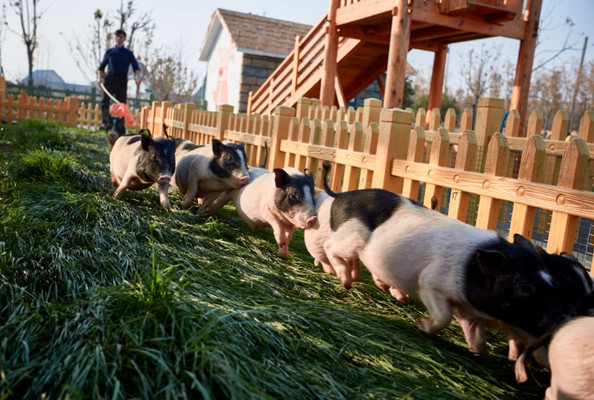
(364, 29)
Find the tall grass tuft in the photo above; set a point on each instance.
(119, 299)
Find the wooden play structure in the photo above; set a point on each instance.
(358, 40)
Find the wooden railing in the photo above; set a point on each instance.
(298, 73)
(541, 188)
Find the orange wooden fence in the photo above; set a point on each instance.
(541, 188)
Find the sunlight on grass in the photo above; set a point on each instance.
(105, 298)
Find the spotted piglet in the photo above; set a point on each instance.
(282, 200)
(205, 172)
(137, 162)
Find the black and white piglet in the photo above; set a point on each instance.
(206, 171)
(114, 128)
(282, 200)
(454, 268)
(138, 161)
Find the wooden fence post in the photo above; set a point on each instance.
(2, 88)
(416, 149)
(465, 160)
(394, 134)
(531, 170)
(439, 157)
(586, 129)
(420, 118)
(303, 104)
(449, 121)
(466, 120)
(72, 104)
(188, 110)
(560, 125)
(224, 112)
(512, 124)
(434, 119)
(349, 180)
(280, 130)
(488, 121)
(495, 165)
(572, 175)
(372, 109)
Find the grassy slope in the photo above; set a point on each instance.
(119, 299)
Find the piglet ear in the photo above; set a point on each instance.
(525, 243)
(217, 147)
(145, 139)
(491, 262)
(280, 177)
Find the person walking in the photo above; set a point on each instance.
(118, 59)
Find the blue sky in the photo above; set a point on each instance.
(183, 23)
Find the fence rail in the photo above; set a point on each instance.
(517, 182)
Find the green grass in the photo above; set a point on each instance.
(119, 299)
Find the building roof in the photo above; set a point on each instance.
(253, 34)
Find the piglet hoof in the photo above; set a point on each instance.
(166, 205)
(283, 252)
(397, 294)
(425, 325)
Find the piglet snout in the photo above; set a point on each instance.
(164, 179)
(310, 221)
(244, 180)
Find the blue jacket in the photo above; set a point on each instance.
(119, 59)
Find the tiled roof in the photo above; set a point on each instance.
(254, 33)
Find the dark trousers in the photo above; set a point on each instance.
(117, 85)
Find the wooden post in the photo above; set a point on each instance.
(399, 42)
(372, 109)
(465, 160)
(188, 109)
(416, 149)
(488, 121)
(495, 165)
(519, 99)
(439, 157)
(296, 56)
(512, 124)
(349, 181)
(394, 134)
(72, 105)
(436, 88)
(531, 170)
(330, 60)
(224, 112)
(449, 121)
(280, 130)
(559, 127)
(586, 129)
(574, 169)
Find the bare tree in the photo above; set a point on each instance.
(476, 70)
(2, 35)
(88, 49)
(29, 17)
(169, 77)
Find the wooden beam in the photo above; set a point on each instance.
(519, 99)
(399, 39)
(330, 60)
(339, 93)
(363, 10)
(428, 12)
(436, 88)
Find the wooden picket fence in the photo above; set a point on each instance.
(89, 117)
(513, 183)
(68, 111)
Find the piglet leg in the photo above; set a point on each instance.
(474, 332)
(124, 184)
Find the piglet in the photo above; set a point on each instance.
(282, 199)
(206, 171)
(571, 356)
(138, 161)
(114, 128)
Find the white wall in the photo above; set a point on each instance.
(224, 73)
